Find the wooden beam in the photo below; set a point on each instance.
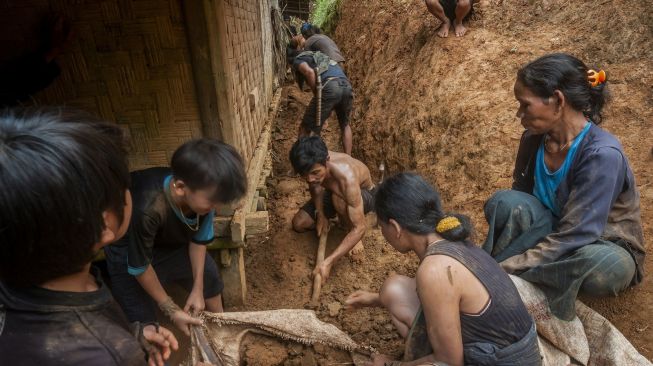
(222, 226)
(233, 275)
(262, 187)
(197, 34)
(261, 205)
(254, 203)
(223, 243)
(257, 222)
(212, 72)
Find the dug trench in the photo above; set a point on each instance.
(444, 108)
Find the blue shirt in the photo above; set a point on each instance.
(546, 182)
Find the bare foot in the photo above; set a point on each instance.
(443, 31)
(459, 29)
(356, 253)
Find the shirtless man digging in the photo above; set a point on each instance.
(340, 186)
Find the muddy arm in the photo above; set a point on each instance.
(356, 215)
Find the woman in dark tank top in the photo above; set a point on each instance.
(461, 308)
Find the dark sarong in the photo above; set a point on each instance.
(449, 7)
(518, 221)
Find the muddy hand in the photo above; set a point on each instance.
(195, 303)
(515, 264)
(323, 270)
(183, 321)
(163, 343)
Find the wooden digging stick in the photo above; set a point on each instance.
(318, 86)
(317, 281)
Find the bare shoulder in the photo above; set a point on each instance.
(344, 167)
(435, 262)
(441, 269)
(352, 171)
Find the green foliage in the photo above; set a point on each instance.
(325, 14)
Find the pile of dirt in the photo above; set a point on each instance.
(445, 108)
(262, 350)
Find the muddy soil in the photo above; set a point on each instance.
(279, 264)
(444, 108)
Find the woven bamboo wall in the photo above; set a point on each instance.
(128, 63)
(246, 57)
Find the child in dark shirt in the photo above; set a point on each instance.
(169, 230)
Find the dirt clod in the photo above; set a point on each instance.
(334, 309)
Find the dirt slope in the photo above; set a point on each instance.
(444, 107)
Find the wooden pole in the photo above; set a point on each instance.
(318, 86)
(317, 281)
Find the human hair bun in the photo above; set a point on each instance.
(459, 232)
(599, 96)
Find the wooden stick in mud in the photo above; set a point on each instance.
(317, 281)
(318, 86)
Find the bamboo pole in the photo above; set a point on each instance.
(317, 281)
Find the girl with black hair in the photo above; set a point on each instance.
(572, 220)
(461, 308)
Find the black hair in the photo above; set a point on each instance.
(208, 163)
(60, 170)
(560, 71)
(306, 152)
(292, 51)
(408, 199)
(308, 30)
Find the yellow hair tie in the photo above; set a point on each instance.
(447, 223)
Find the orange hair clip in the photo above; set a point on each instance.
(595, 78)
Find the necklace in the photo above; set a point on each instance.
(197, 220)
(182, 217)
(560, 149)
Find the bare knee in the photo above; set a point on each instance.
(302, 222)
(396, 288)
(463, 3)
